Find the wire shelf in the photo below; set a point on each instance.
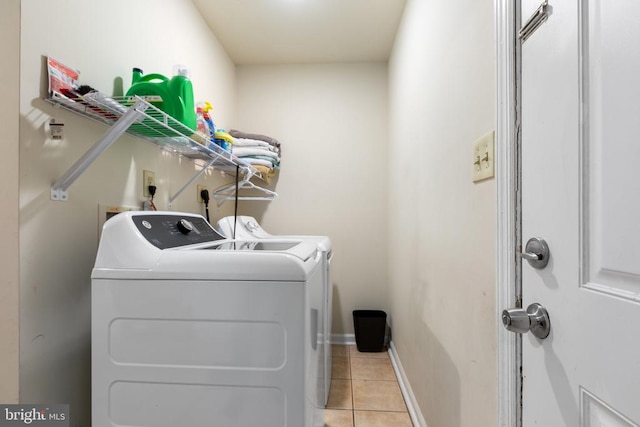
(154, 126)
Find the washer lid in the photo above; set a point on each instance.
(152, 245)
(256, 245)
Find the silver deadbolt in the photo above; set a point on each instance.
(536, 252)
(534, 319)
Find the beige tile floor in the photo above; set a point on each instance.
(364, 391)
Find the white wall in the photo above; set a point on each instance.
(9, 222)
(385, 171)
(332, 122)
(441, 224)
(58, 240)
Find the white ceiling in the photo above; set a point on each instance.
(303, 31)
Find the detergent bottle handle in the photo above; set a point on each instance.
(150, 77)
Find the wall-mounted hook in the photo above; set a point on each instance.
(56, 130)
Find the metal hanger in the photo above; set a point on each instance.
(230, 192)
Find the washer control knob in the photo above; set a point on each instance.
(184, 226)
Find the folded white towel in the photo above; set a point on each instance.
(253, 151)
(254, 161)
(244, 142)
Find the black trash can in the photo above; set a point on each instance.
(369, 326)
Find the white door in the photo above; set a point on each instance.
(581, 193)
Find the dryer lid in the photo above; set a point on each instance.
(248, 228)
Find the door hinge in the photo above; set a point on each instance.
(538, 18)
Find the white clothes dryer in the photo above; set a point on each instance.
(191, 329)
(247, 227)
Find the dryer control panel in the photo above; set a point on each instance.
(170, 231)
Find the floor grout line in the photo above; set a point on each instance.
(351, 380)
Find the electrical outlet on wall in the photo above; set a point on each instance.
(483, 158)
(200, 189)
(105, 212)
(148, 178)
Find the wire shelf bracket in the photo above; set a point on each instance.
(60, 187)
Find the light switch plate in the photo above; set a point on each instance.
(483, 158)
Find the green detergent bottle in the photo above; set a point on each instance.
(176, 93)
(181, 84)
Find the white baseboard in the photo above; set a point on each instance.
(410, 399)
(343, 339)
(350, 339)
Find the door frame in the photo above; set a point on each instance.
(509, 350)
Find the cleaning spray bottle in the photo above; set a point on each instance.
(224, 139)
(207, 118)
(203, 133)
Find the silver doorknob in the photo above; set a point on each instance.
(534, 319)
(536, 252)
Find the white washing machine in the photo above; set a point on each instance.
(247, 227)
(190, 329)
